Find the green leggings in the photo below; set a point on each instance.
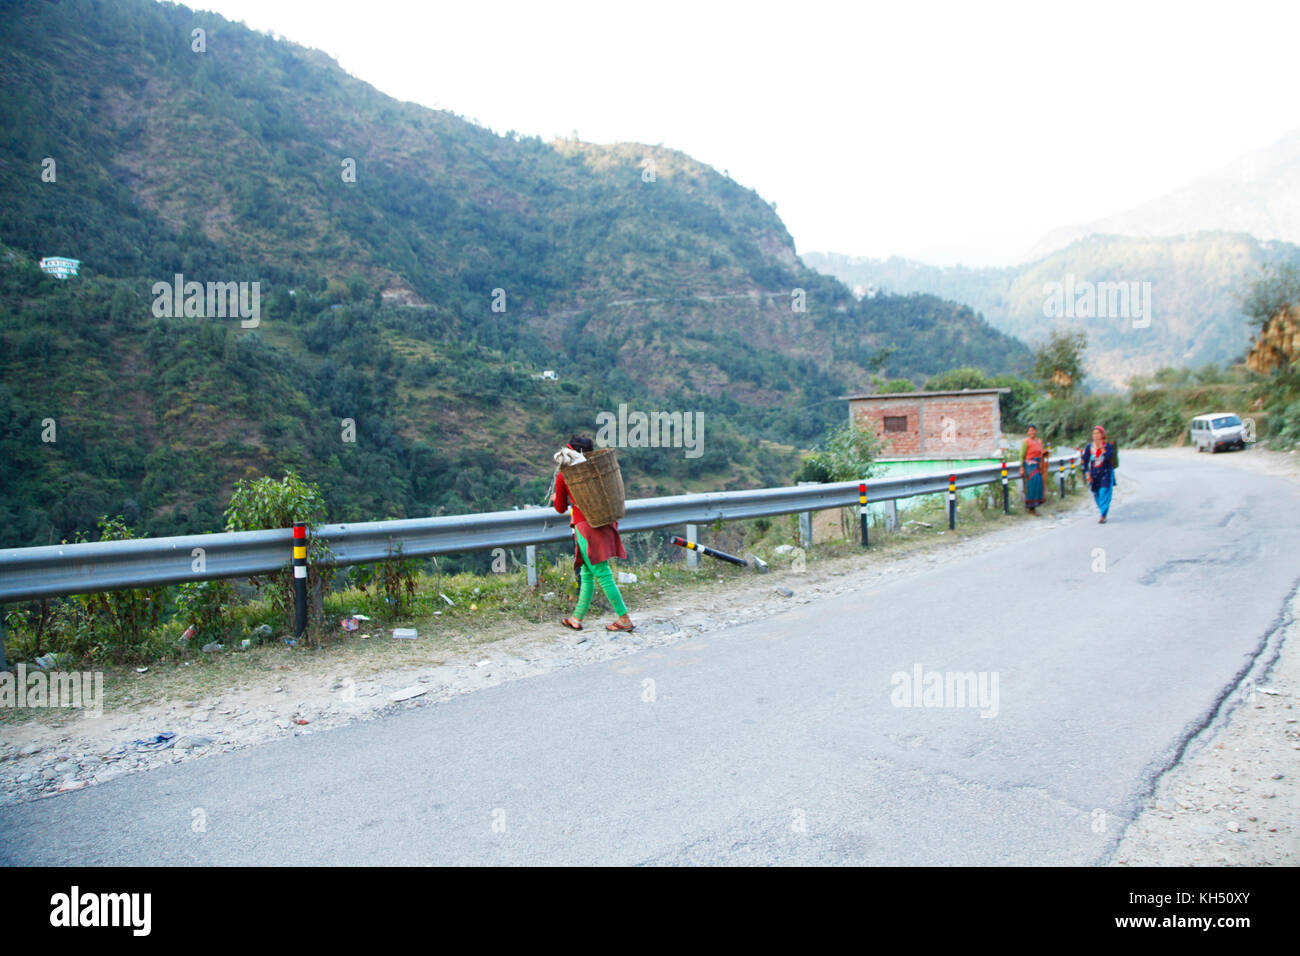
(599, 574)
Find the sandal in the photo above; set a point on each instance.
(615, 626)
(572, 623)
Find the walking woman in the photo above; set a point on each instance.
(1099, 460)
(592, 549)
(1032, 465)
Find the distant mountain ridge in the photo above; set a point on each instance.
(1257, 193)
(1196, 283)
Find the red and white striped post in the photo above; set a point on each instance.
(862, 509)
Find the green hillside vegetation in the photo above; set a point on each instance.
(639, 275)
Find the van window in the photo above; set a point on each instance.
(1227, 421)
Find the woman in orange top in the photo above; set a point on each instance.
(592, 549)
(1033, 470)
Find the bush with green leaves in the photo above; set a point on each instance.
(269, 504)
(123, 621)
(111, 626)
(205, 606)
(845, 453)
(58, 625)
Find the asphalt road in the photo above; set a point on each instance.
(781, 741)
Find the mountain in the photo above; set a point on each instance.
(1258, 194)
(414, 275)
(1196, 284)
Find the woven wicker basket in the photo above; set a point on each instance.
(596, 487)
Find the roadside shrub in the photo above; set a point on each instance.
(269, 504)
(389, 586)
(122, 623)
(845, 453)
(205, 606)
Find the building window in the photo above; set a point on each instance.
(895, 423)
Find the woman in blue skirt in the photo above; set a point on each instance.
(1099, 468)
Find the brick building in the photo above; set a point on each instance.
(932, 426)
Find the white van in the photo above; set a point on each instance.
(1220, 430)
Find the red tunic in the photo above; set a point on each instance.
(602, 543)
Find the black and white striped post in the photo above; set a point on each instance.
(952, 502)
(693, 547)
(299, 578)
(862, 509)
(1006, 498)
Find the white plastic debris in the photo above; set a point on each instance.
(405, 633)
(406, 693)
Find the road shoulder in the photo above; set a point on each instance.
(1231, 799)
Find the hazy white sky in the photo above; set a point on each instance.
(948, 132)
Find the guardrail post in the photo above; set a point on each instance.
(693, 557)
(1074, 474)
(1060, 476)
(530, 553)
(891, 516)
(862, 506)
(1006, 498)
(4, 665)
(805, 521)
(952, 502)
(299, 578)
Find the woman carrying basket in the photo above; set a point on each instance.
(592, 549)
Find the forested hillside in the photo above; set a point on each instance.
(416, 273)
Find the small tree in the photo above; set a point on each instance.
(268, 504)
(845, 453)
(1058, 363)
(129, 616)
(1277, 287)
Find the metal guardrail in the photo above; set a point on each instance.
(56, 570)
